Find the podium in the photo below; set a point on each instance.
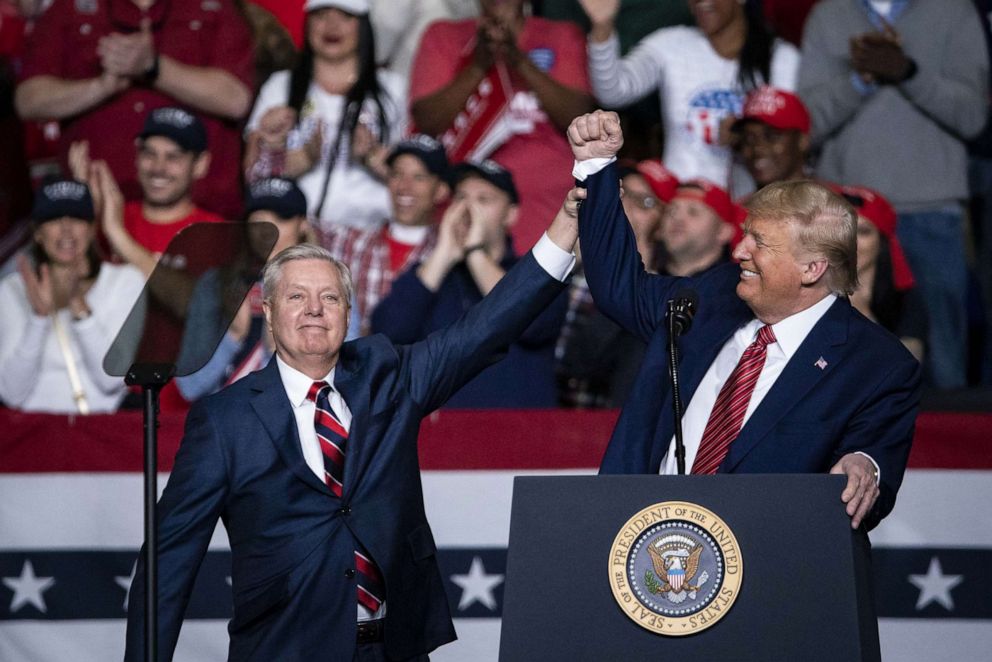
(725, 567)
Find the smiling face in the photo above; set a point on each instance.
(332, 34)
(166, 172)
(772, 270)
(65, 241)
(414, 191)
(308, 315)
(772, 155)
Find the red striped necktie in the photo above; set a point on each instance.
(727, 417)
(333, 439)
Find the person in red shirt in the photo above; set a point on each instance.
(171, 156)
(99, 67)
(505, 86)
(418, 186)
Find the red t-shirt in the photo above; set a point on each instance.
(156, 236)
(541, 161)
(211, 33)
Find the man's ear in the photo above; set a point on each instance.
(814, 270)
(201, 165)
(441, 193)
(267, 309)
(512, 214)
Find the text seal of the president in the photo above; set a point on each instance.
(675, 568)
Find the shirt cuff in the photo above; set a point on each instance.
(878, 472)
(583, 169)
(863, 88)
(557, 262)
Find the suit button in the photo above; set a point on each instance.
(344, 511)
(349, 573)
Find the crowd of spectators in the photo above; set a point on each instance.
(422, 142)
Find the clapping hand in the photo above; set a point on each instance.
(128, 55)
(878, 57)
(274, 126)
(595, 135)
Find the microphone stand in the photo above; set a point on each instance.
(674, 328)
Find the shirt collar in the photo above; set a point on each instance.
(792, 331)
(297, 384)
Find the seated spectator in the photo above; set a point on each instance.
(886, 292)
(701, 74)
(700, 229)
(418, 171)
(101, 67)
(62, 311)
(473, 252)
(247, 345)
(596, 360)
(771, 136)
(328, 122)
(505, 87)
(171, 156)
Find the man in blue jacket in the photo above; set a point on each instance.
(780, 372)
(312, 465)
(473, 252)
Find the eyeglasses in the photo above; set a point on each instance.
(645, 201)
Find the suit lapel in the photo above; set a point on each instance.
(275, 413)
(356, 394)
(819, 353)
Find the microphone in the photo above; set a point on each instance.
(681, 309)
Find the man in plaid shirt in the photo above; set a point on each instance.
(418, 172)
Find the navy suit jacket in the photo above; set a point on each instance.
(292, 540)
(862, 396)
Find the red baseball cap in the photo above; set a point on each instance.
(716, 199)
(777, 108)
(659, 178)
(872, 205)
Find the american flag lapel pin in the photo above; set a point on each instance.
(821, 363)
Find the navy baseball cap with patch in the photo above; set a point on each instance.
(180, 126)
(489, 171)
(425, 148)
(278, 195)
(62, 197)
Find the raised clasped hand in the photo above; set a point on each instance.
(595, 135)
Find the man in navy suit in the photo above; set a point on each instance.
(253, 456)
(835, 392)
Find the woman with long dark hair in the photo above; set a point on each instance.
(887, 291)
(701, 73)
(62, 310)
(328, 121)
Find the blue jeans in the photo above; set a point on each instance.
(934, 245)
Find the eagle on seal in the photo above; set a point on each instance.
(676, 560)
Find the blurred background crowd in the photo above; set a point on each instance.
(423, 143)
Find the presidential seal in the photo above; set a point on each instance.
(675, 568)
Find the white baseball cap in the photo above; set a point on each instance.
(356, 7)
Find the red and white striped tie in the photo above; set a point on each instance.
(727, 417)
(333, 439)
